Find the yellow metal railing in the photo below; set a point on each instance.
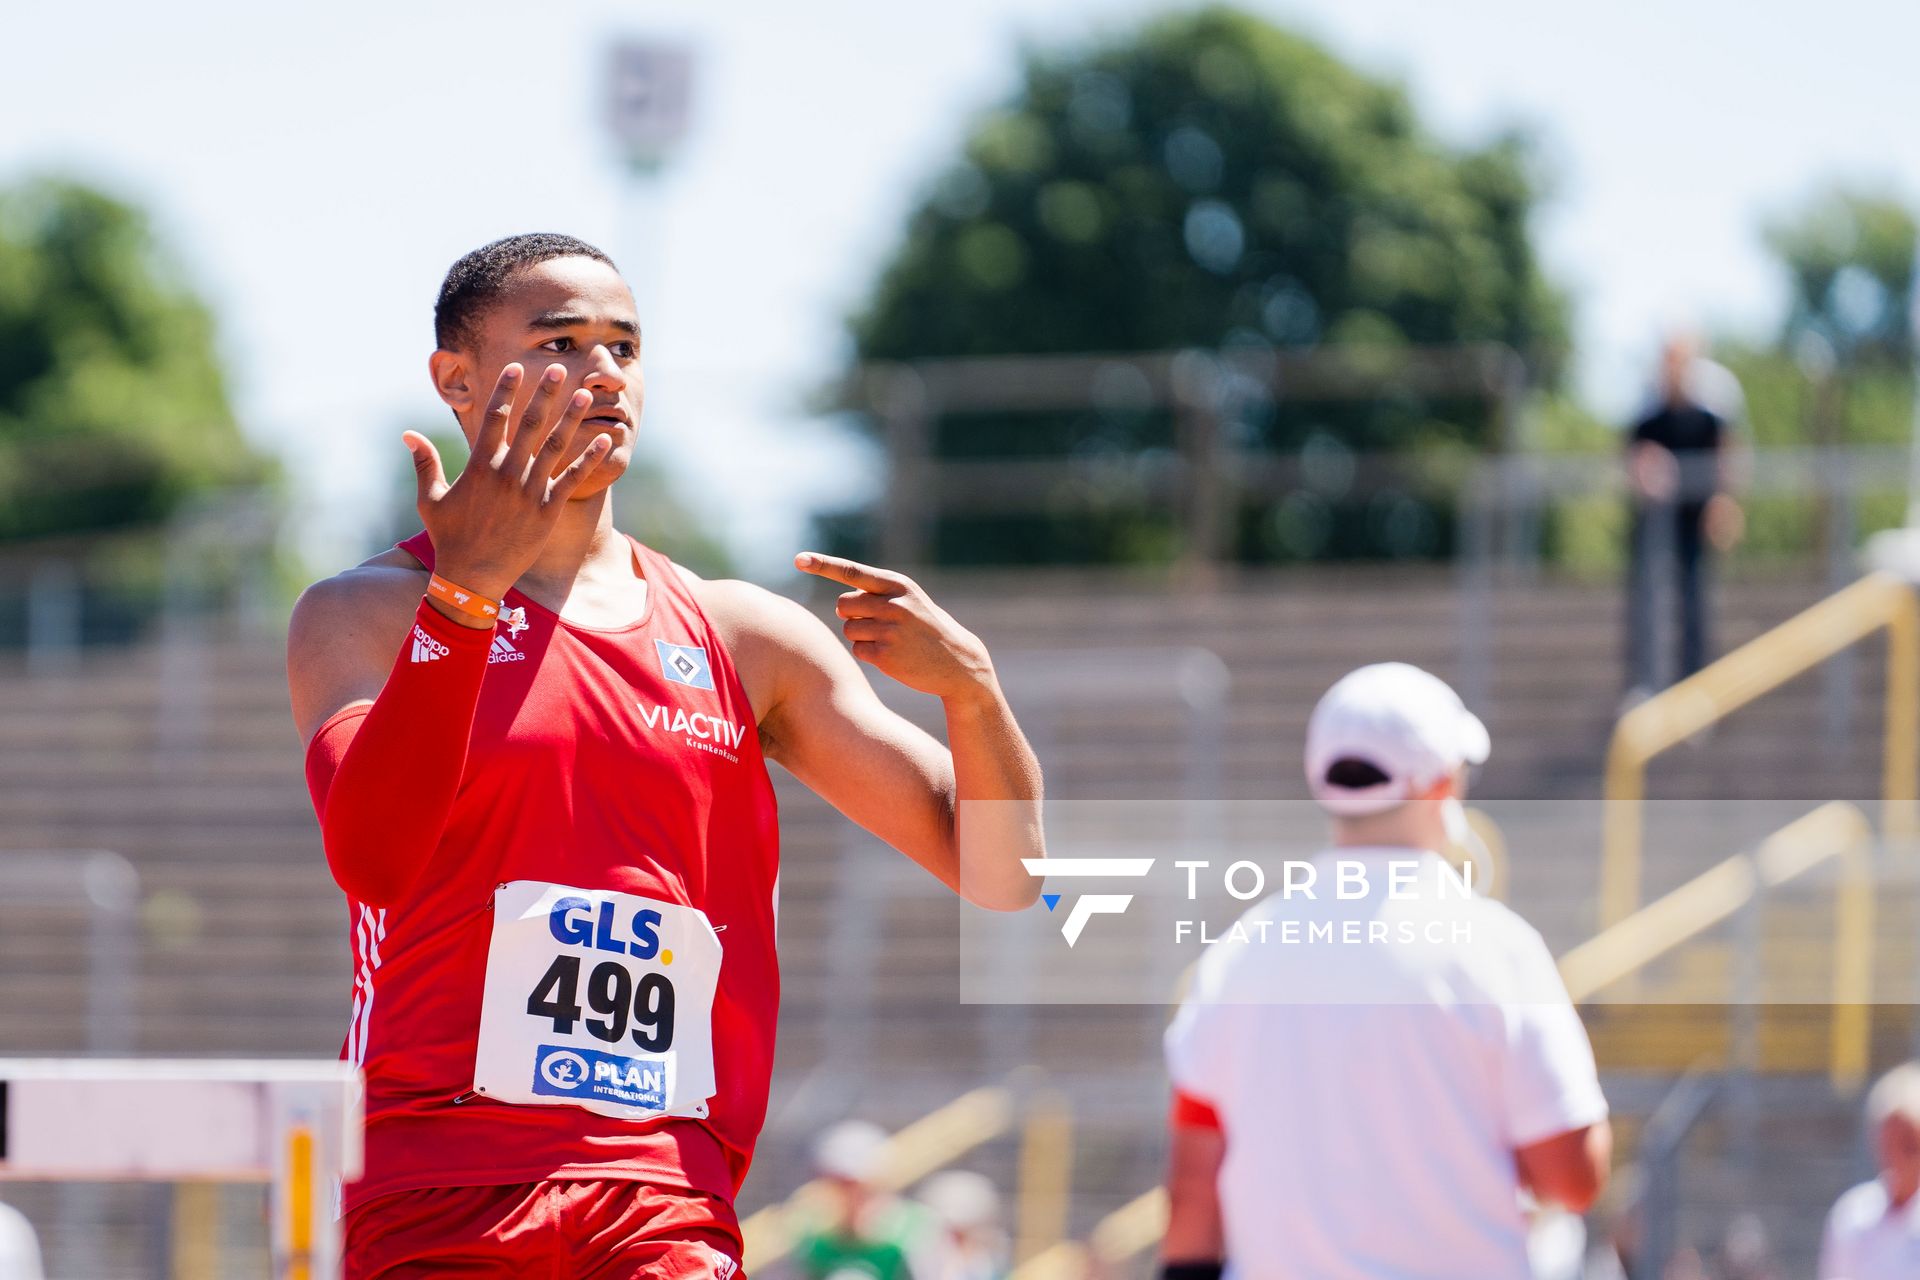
(1046, 1175)
(1877, 602)
(1490, 873)
(1835, 831)
(196, 1230)
(937, 1140)
(1126, 1233)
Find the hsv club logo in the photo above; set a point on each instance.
(685, 664)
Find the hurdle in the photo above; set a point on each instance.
(295, 1125)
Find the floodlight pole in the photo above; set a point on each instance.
(649, 92)
(649, 96)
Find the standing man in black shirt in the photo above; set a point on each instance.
(1678, 471)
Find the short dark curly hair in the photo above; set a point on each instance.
(478, 278)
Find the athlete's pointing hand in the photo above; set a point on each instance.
(489, 526)
(895, 626)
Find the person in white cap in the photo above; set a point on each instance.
(1371, 1099)
(969, 1243)
(1873, 1232)
(858, 1230)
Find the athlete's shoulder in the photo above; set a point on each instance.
(345, 631)
(749, 614)
(383, 583)
(775, 645)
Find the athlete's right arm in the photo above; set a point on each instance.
(386, 735)
(385, 755)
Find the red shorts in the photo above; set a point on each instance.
(607, 1229)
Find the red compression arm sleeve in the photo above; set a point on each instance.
(383, 777)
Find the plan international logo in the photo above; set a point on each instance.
(1088, 905)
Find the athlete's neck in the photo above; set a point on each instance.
(586, 566)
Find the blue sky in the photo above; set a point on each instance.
(317, 172)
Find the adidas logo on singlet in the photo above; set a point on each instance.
(503, 651)
(426, 648)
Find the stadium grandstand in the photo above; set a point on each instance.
(206, 924)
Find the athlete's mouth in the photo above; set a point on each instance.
(611, 416)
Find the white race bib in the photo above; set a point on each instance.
(600, 1000)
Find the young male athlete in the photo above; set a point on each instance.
(537, 751)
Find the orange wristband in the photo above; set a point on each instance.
(461, 600)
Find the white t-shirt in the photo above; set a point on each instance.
(1865, 1242)
(1373, 1089)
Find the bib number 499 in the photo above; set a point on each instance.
(645, 1006)
(599, 999)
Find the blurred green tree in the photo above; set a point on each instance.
(1837, 373)
(113, 407)
(1213, 181)
(1849, 255)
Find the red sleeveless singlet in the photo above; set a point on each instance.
(621, 759)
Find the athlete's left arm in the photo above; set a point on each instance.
(969, 811)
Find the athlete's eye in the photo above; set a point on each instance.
(557, 345)
(626, 350)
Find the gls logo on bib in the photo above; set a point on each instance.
(598, 999)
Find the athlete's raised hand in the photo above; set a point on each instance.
(896, 627)
(489, 526)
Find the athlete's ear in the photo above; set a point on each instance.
(452, 375)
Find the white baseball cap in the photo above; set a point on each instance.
(1405, 722)
(852, 1150)
(961, 1199)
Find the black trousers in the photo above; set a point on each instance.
(1669, 545)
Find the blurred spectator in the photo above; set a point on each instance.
(1745, 1251)
(19, 1246)
(1686, 1264)
(969, 1243)
(863, 1232)
(1679, 471)
(1374, 1102)
(1873, 1232)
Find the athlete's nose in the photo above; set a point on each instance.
(604, 372)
